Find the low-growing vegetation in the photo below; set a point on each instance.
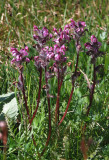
(54, 80)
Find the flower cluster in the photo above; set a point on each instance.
(78, 28)
(51, 62)
(19, 56)
(93, 48)
(56, 53)
(41, 60)
(62, 36)
(41, 37)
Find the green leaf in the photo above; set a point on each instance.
(11, 109)
(5, 98)
(103, 35)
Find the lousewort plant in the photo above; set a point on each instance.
(52, 62)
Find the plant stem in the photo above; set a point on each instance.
(4, 154)
(38, 100)
(77, 60)
(48, 99)
(71, 94)
(49, 134)
(92, 91)
(57, 101)
(91, 96)
(25, 100)
(67, 106)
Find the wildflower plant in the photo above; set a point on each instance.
(51, 62)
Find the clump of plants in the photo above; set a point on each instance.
(51, 64)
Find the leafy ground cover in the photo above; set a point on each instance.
(67, 142)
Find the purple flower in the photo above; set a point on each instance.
(83, 24)
(95, 41)
(55, 31)
(59, 53)
(45, 32)
(36, 37)
(26, 48)
(42, 60)
(13, 60)
(36, 58)
(27, 60)
(36, 28)
(14, 51)
(67, 28)
(88, 46)
(62, 36)
(19, 56)
(73, 23)
(41, 37)
(93, 48)
(78, 27)
(57, 57)
(55, 53)
(63, 49)
(64, 59)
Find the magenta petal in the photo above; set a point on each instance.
(83, 24)
(23, 52)
(13, 60)
(36, 28)
(67, 26)
(14, 53)
(99, 44)
(18, 58)
(13, 49)
(73, 23)
(57, 57)
(65, 58)
(60, 29)
(45, 32)
(27, 60)
(87, 45)
(50, 35)
(55, 30)
(26, 48)
(35, 37)
(56, 46)
(46, 48)
(36, 58)
(93, 39)
(63, 47)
